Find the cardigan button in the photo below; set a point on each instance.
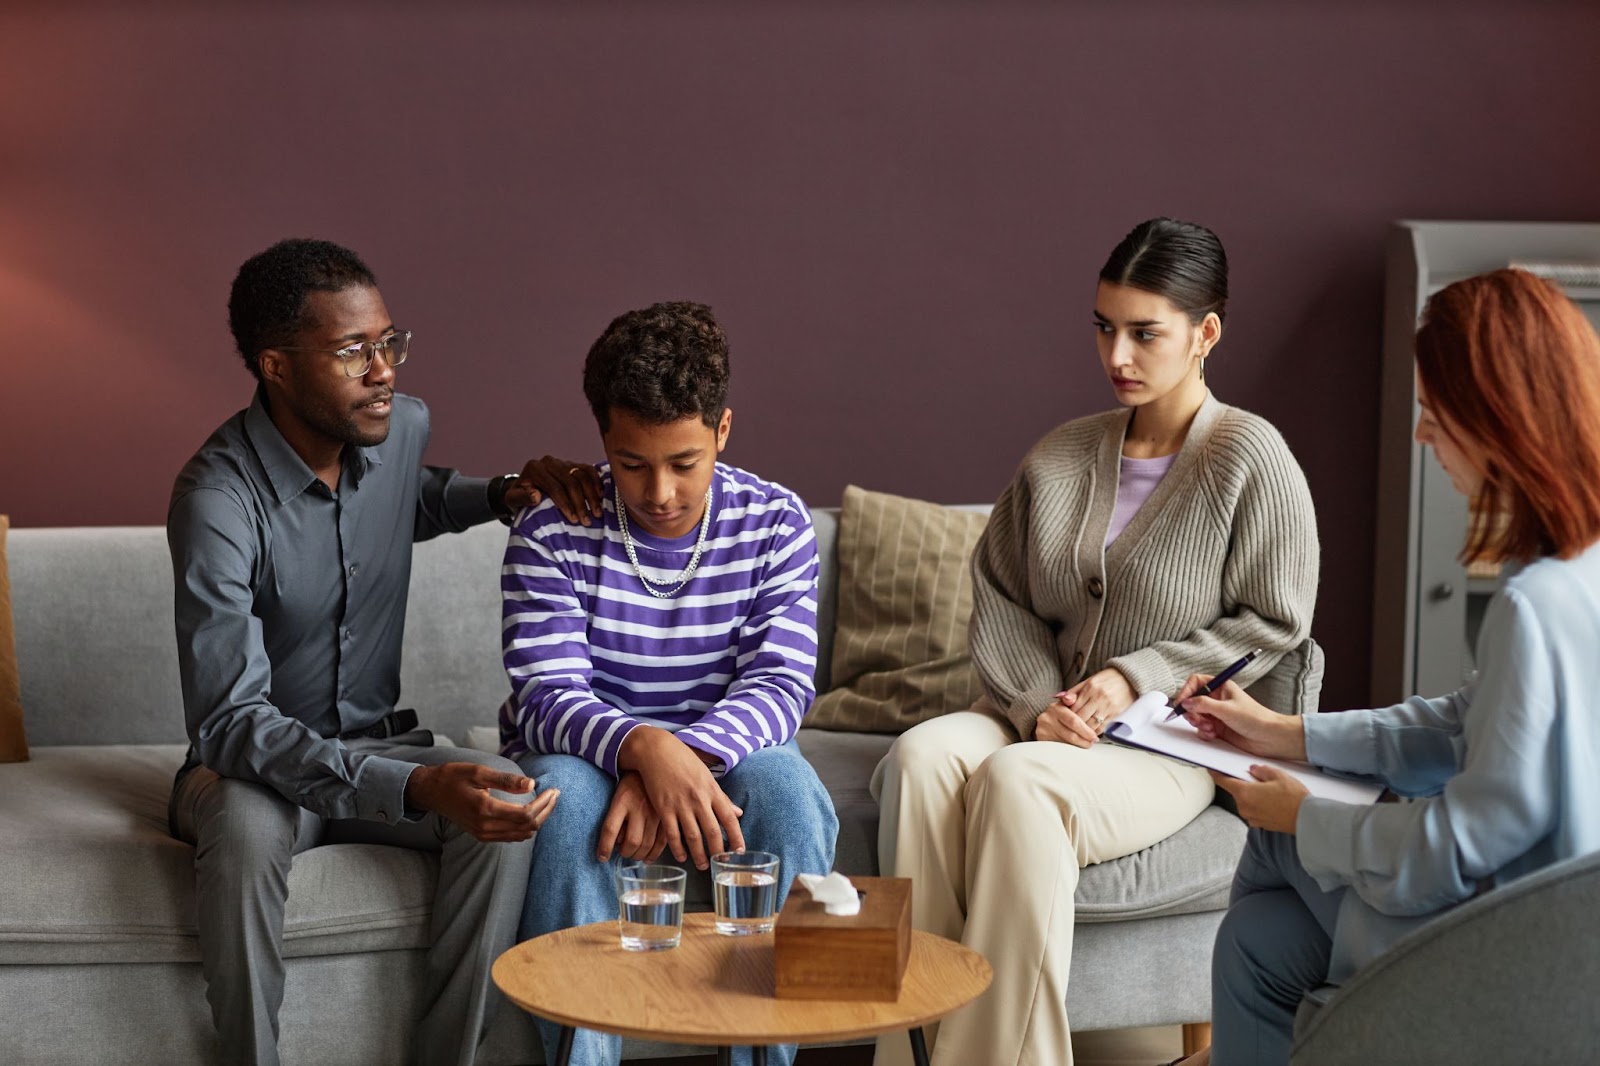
(1077, 664)
(1097, 588)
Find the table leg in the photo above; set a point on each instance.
(758, 1055)
(724, 1056)
(919, 1047)
(564, 1046)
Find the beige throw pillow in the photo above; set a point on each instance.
(13, 744)
(900, 653)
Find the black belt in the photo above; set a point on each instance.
(391, 724)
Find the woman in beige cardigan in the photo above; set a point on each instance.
(1133, 548)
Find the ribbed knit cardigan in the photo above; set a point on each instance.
(1222, 558)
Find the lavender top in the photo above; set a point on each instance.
(1138, 478)
(726, 664)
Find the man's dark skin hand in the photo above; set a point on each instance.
(573, 487)
(695, 815)
(459, 791)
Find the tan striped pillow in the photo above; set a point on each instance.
(13, 744)
(900, 652)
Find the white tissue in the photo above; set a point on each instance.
(835, 892)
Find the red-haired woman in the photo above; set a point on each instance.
(1508, 374)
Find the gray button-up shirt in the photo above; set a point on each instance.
(291, 603)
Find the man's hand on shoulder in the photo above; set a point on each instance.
(573, 487)
(459, 791)
(696, 815)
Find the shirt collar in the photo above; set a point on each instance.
(287, 473)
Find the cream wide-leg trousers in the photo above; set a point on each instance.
(992, 833)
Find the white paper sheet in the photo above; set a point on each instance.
(1142, 726)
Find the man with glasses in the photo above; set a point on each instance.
(291, 533)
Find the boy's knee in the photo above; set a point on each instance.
(777, 771)
(782, 780)
(586, 792)
(577, 779)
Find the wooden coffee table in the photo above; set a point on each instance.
(718, 990)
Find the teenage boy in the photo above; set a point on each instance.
(661, 656)
(291, 533)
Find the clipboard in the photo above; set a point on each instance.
(1142, 726)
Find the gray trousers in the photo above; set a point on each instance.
(1272, 948)
(245, 837)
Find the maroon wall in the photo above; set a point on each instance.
(897, 209)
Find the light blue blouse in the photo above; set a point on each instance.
(1508, 769)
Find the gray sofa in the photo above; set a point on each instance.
(98, 958)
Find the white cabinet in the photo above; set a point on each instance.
(1426, 608)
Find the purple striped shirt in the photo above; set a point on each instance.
(726, 664)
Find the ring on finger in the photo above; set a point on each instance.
(573, 470)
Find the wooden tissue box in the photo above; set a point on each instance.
(818, 955)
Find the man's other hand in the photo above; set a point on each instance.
(696, 815)
(459, 791)
(573, 487)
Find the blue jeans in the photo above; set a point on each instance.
(1272, 948)
(786, 811)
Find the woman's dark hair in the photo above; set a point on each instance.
(665, 363)
(1182, 261)
(267, 304)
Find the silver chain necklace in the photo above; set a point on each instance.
(665, 592)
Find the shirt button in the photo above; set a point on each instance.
(1077, 664)
(352, 569)
(1097, 588)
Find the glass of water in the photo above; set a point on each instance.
(744, 886)
(650, 902)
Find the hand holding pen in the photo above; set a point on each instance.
(1211, 686)
(1235, 718)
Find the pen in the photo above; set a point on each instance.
(1211, 686)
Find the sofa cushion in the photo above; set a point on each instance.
(1189, 872)
(132, 694)
(900, 653)
(13, 744)
(95, 877)
(844, 763)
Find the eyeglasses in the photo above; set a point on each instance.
(357, 358)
